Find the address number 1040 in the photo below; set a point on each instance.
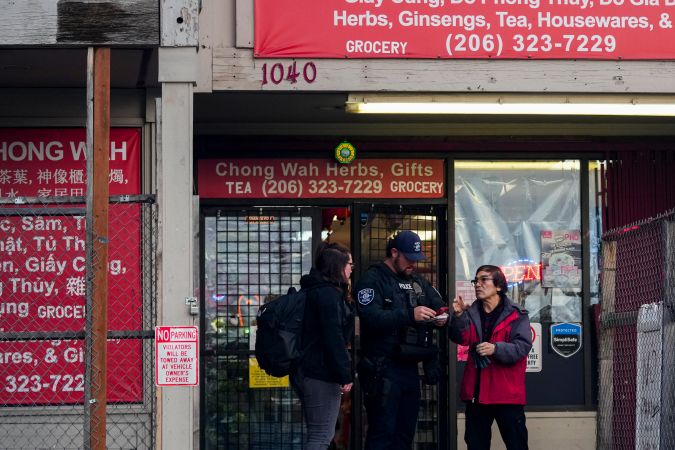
(278, 73)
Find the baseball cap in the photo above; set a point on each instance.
(410, 244)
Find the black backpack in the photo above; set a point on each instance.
(278, 346)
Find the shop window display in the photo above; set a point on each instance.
(503, 211)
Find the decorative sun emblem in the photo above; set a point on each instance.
(345, 153)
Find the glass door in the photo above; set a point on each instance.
(377, 224)
(250, 257)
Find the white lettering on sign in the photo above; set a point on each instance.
(182, 334)
(490, 29)
(299, 170)
(31, 151)
(423, 187)
(317, 178)
(352, 170)
(411, 170)
(43, 267)
(20, 151)
(61, 311)
(234, 169)
(376, 47)
(177, 356)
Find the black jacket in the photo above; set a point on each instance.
(328, 326)
(385, 311)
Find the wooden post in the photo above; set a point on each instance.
(99, 313)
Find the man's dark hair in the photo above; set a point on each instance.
(390, 245)
(330, 262)
(498, 278)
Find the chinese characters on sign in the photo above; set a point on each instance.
(42, 267)
(319, 178)
(544, 29)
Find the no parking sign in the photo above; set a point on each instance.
(177, 356)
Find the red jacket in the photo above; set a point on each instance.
(503, 380)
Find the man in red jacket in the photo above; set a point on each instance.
(498, 334)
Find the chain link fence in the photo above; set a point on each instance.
(637, 366)
(44, 272)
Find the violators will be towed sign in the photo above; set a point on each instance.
(177, 356)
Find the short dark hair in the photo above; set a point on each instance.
(390, 245)
(498, 278)
(330, 261)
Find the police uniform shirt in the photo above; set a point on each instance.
(386, 304)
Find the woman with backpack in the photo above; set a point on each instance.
(325, 370)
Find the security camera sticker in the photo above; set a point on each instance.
(566, 338)
(366, 296)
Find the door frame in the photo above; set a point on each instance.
(439, 209)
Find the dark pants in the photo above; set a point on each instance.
(321, 407)
(510, 420)
(392, 402)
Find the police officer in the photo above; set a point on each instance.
(398, 310)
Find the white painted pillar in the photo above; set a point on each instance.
(178, 426)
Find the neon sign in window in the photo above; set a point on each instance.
(522, 270)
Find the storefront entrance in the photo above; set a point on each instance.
(252, 255)
(536, 219)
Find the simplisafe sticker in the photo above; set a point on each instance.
(566, 338)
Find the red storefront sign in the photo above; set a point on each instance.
(321, 178)
(42, 267)
(538, 29)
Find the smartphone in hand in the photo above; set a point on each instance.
(441, 314)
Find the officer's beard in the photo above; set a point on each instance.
(406, 272)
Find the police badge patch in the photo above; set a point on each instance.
(366, 296)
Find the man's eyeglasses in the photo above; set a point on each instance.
(480, 280)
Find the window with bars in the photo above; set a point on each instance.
(382, 223)
(378, 225)
(251, 257)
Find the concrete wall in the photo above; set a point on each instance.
(547, 430)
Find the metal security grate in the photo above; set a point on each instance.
(636, 398)
(378, 225)
(381, 223)
(251, 257)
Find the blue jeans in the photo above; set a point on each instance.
(320, 406)
(392, 406)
